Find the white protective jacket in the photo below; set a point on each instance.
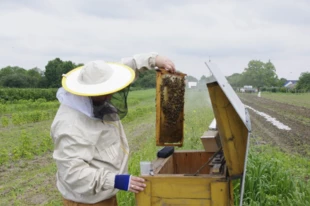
(89, 152)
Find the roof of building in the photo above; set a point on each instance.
(290, 82)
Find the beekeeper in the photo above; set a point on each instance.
(90, 147)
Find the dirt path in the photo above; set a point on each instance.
(297, 118)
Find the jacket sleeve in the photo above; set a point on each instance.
(140, 62)
(72, 155)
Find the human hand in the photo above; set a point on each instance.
(164, 62)
(136, 184)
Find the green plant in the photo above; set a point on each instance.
(4, 121)
(4, 157)
(272, 182)
(24, 148)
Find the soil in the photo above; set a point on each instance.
(296, 140)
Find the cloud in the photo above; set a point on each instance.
(231, 33)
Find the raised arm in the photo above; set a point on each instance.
(148, 61)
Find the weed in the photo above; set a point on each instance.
(4, 121)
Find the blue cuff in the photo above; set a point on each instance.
(121, 182)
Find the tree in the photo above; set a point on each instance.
(202, 82)
(191, 79)
(260, 74)
(281, 82)
(54, 71)
(147, 79)
(269, 74)
(15, 80)
(35, 76)
(14, 77)
(235, 80)
(304, 82)
(11, 70)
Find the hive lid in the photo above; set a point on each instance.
(232, 121)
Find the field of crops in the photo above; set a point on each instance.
(27, 170)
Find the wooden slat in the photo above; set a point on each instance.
(231, 191)
(220, 194)
(158, 108)
(144, 198)
(188, 162)
(157, 201)
(181, 187)
(168, 167)
(159, 163)
(209, 141)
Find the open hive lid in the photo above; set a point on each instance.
(232, 121)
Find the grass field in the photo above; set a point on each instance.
(298, 99)
(27, 171)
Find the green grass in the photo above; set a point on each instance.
(275, 178)
(299, 99)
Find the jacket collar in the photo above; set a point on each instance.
(80, 103)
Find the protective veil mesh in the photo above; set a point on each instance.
(112, 109)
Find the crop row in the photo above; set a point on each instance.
(26, 105)
(20, 118)
(13, 94)
(29, 145)
(27, 117)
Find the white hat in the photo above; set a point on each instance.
(97, 78)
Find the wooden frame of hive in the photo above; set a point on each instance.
(169, 108)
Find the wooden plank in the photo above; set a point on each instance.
(232, 130)
(208, 140)
(188, 162)
(158, 109)
(220, 194)
(231, 190)
(170, 89)
(144, 198)
(160, 163)
(157, 201)
(181, 187)
(168, 167)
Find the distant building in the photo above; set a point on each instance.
(192, 85)
(290, 84)
(248, 89)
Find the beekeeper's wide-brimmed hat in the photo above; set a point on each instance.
(98, 78)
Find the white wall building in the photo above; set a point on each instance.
(192, 84)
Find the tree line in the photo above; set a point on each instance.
(263, 75)
(17, 77)
(258, 74)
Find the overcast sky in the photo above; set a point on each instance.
(230, 33)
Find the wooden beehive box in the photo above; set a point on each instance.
(170, 90)
(201, 177)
